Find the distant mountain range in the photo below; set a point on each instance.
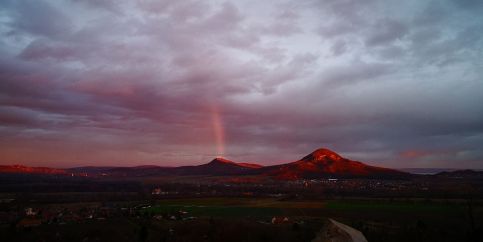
(32, 170)
(472, 174)
(425, 171)
(321, 163)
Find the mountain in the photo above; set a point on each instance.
(324, 163)
(33, 170)
(467, 174)
(426, 171)
(217, 167)
(135, 171)
(90, 169)
(250, 165)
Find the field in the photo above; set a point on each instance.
(77, 209)
(235, 207)
(271, 206)
(415, 220)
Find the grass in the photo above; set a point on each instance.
(263, 207)
(394, 206)
(234, 207)
(244, 202)
(216, 211)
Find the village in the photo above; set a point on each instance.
(207, 208)
(22, 218)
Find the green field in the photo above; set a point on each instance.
(234, 207)
(394, 206)
(217, 211)
(248, 207)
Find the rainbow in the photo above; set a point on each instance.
(218, 131)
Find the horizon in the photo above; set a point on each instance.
(439, 169)
(175, 83)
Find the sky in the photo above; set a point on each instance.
(124, 83)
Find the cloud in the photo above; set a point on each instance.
(41, 49)
(433, 13)
(126, 83)
(471, 5)
(37, 18)
(354, 72)
(339, 48)
(386, 31)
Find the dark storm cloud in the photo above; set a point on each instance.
(126, 83)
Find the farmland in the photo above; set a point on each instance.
(204, 210)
